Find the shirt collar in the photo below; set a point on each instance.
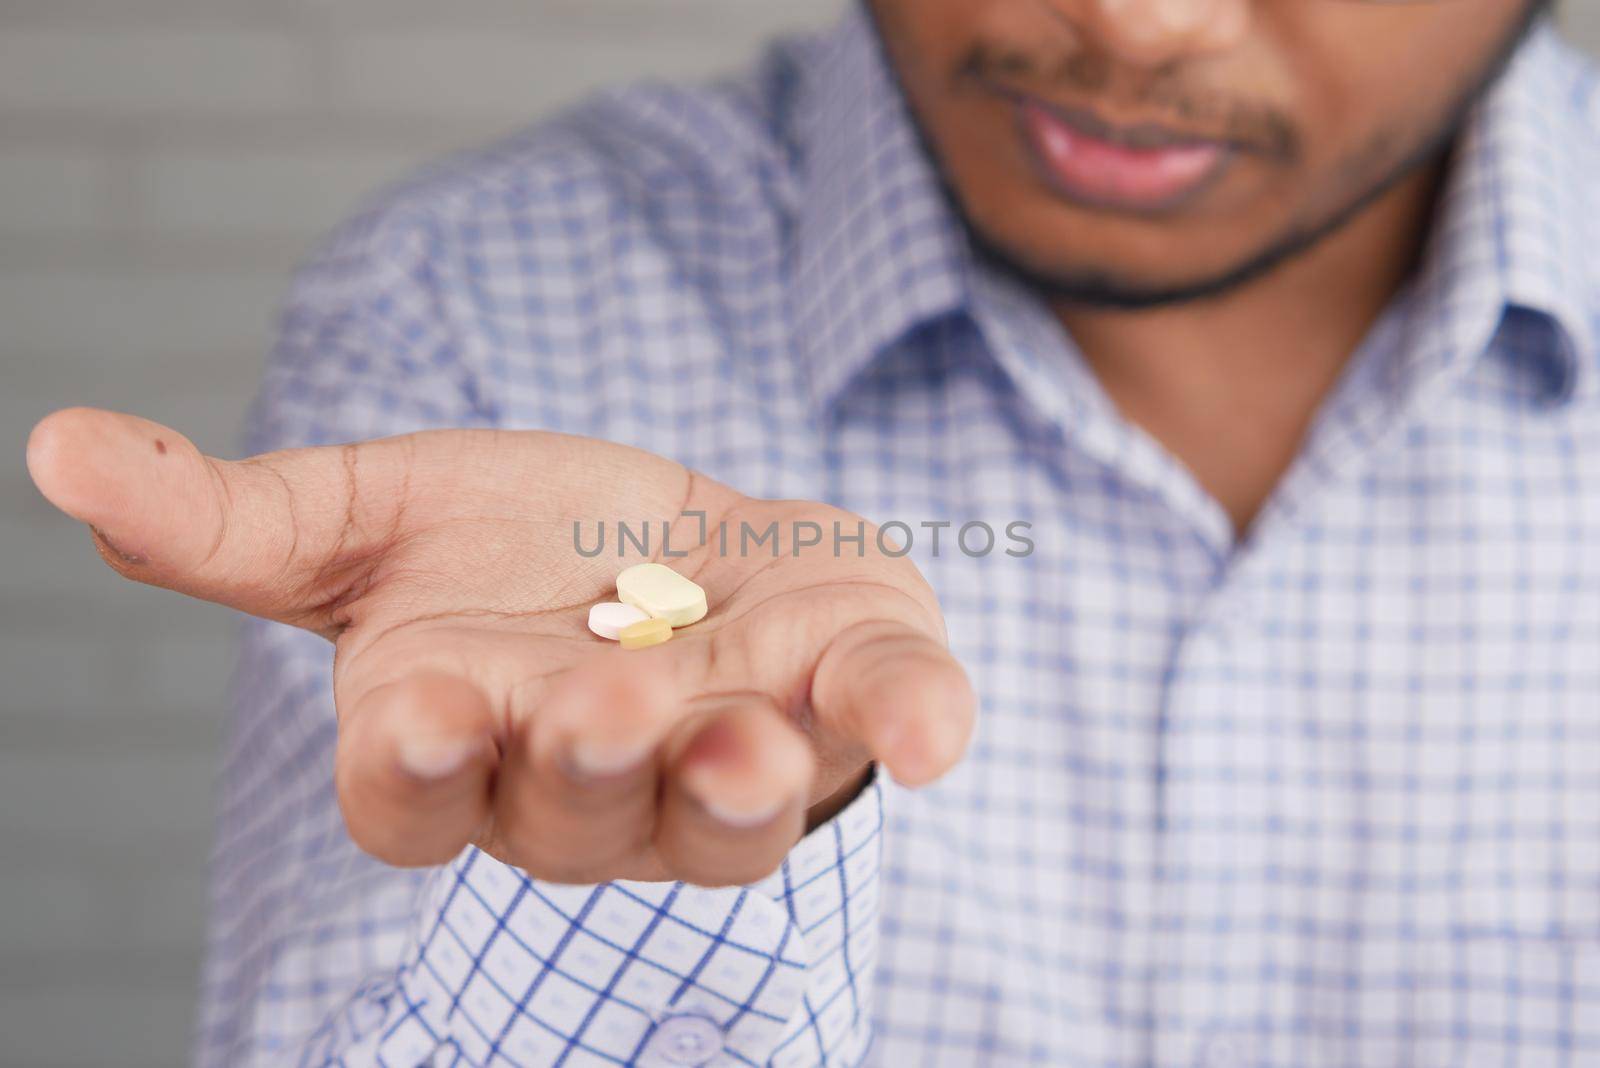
(1516, 228)
(879, 250)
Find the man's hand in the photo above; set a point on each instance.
(475, 706)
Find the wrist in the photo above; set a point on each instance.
(839, 800)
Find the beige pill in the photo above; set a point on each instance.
(645, 633)
(663, 593)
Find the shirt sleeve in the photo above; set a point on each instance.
(321, 955)
(508, 969)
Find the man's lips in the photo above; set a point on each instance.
(1141, 169)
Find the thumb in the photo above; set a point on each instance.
(283, 535)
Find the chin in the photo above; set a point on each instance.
(1116, 279)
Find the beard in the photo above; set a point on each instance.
(1092, 287)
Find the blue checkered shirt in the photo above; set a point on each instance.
(1325, 796)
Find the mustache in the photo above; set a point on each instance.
(1253, 127)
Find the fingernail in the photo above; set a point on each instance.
(594, 759)
(901, 750)
(435, 758)
(699, 781)
(742, 818)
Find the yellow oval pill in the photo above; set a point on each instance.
(645, 633)
(663, 593)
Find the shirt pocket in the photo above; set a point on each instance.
(1485, 897)
(1509, 968)
(1524, 847)
(1508, 1001)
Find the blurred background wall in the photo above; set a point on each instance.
(163, 164)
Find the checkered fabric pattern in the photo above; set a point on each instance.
(1326, 796)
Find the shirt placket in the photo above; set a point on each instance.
(1193, 938)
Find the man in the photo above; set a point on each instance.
(1260, 336)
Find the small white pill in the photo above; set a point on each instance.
(609, 619)
(663, 593)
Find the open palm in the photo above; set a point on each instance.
(475, 706)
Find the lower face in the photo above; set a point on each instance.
(1138, 183)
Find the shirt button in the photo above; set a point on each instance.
(686, 1040)
(1221, 1052)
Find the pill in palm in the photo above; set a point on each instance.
(663, 593)
(610, 618)
(645, 633)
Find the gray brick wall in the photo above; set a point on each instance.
(162, 165)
